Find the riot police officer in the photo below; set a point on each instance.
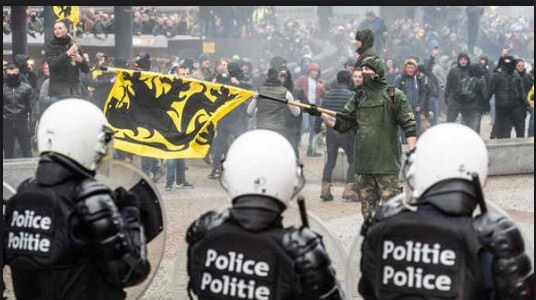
(66, 235)
(428, 245)
(245, 252)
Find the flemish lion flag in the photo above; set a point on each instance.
(164, 116)
(72, 13)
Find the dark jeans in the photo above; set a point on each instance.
(471, 119)
(334, 141)
(223, 139)
(176, 169)
(505, 120)
(149, 164)
(519, 121)
(531, 123)
(19, 130)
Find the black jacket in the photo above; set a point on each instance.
(64, 77)
(335, 99)
(454, 78)
(508, 90)
(17, 101)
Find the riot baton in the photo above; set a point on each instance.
(479, 193)
(303, 211)
(307, 106)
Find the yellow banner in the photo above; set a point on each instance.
(72, 13)
(164, 116)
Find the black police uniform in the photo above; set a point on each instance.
(67, 236)
(245, 253)
(438, 251)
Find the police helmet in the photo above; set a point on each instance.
(262, 162)
(446, 151)
(76, 129)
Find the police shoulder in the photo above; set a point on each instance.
(387, 210)
(208, 221)
(513, 274)
(313, 265)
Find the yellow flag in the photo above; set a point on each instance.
(164, 116)
(72, 13)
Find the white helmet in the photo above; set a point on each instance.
(445, 151)
(262, 162)
(76, 129)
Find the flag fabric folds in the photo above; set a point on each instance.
(72, 13)
(164, 116)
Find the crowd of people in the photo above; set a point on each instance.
(430, 73)
(373, 105)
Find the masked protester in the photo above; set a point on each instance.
(510, 98)
(378, 112)
(66, 235)
(426, 244)
(263, 260)
(17, 115)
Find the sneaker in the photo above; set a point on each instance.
(184, 185)
(168, 188)
(312, 153)
(215, 174)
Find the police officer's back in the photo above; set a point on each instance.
(428, 245)
(66, 235)
(245, 253)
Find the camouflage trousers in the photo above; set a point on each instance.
(375, 189)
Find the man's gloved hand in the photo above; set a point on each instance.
(124, 198)
(313, 111)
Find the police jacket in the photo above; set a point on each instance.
(245, 253)
(45, 260)
(17, 101)
(430, 253)
(64, 77)
(508, 89)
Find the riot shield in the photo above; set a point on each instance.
(353, 273)
(118, 173)
(291, 217)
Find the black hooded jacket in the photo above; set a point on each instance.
(367, 45)
(17, 100)
(454, 78)
(64, 77)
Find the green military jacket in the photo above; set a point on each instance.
(377, 148)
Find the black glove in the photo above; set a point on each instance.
(313, 111)
(124, 198)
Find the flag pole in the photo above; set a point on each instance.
(307, 106)
(294, 103)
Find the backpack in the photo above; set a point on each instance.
(468, 89)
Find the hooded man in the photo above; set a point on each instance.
(101, 81)
(455, 104)
(510, 98)
(378, 114)
(364, 41)
(204, 72)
